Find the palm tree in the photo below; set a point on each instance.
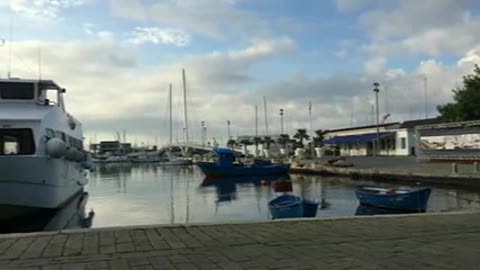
(245, 143)
(267, 140)
(283, 140)
(231, 143)
(317, 140)
(301, 135)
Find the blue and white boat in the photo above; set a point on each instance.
(225, 166)
(400, 199)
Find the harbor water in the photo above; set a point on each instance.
(141, 194)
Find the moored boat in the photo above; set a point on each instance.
(286, 206)
(225, 166)
(400, 199)
(42, 159)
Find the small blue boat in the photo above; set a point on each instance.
(400, 199)
(225, 166)
(286, 206)
(291, 206)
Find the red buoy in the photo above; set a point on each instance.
(264, 183)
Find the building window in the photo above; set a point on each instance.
(404, 143)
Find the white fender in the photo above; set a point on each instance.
(56, 148)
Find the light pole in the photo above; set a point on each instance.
(376, 90)
(228, 129)
(203, 133)
(281, 121)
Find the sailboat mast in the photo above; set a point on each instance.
(185, 104)
(266, 118)
(170, 116)
(256, 129)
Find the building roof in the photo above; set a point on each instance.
(360, 138)
(361, 127)
(421, 122)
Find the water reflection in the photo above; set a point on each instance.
(226, 188)
(72, 215)
(151, 194)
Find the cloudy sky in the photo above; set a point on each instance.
(116, 59)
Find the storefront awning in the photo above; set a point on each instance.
(360, 138)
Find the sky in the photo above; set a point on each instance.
(116, 58)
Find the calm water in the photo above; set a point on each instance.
(151, 194)
(121, 195)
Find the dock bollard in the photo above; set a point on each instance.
(475, 167)
(454, 167)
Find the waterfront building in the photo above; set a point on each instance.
(394, 139)
(111, 147)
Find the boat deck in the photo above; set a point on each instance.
(428, 241)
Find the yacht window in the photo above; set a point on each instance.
(50, 133)
(16, 142)
(9, 90)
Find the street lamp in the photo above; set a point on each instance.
(281, 121)
(228, 129)
(376, 90)
(204, 132)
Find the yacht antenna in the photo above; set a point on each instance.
(9, 72)
(39, 62)
(185, 103)
(256, 130)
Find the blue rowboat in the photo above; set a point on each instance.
(286, 206)
(291, 206)
(225, 166)
(400, 199)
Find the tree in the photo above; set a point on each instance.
(283, 140)
(231, 143)
(317, 140)
(301, 135)
(466, 105)
(267, 140)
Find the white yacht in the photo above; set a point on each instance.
(42, 160)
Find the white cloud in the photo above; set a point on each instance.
(432, 27)
(156, 35)
(207, 17)
(43, 9)
(375, 66)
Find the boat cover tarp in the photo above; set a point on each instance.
(360, 138)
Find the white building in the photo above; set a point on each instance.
(395, 139)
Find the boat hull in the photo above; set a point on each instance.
(37, 182)
(213, 170)
(286, 206)
(415, 200)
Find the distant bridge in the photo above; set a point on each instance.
(188, 149)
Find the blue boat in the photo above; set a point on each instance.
(291, 206)
(400, 199)
(225, 166)
(365, 210)
(286, 206)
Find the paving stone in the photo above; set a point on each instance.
(450, 241)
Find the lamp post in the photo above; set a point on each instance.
(228, 129)
(204, 132)
(376, 144)
(281, 121)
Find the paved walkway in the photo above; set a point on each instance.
(441, 241)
